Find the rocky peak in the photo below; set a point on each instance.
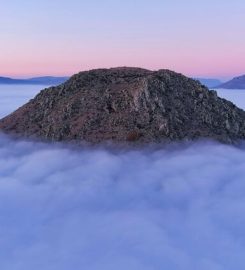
(127, 105)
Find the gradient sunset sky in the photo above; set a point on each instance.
(56, 37)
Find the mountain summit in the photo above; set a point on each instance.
(127, 104)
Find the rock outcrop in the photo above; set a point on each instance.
(127, 105)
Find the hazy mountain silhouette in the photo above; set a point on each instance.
(235, 83)
(210, 83)
(46, 80)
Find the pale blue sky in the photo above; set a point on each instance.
(198, 38)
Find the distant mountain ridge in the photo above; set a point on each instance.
(235, 83)
(210, 83)
(45, 80)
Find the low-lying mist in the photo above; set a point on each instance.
(14, 96)
(182, 208)
(97, 209)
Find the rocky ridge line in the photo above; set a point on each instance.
(127, 105)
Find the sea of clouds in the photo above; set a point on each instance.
(178, 208)
(14, 96)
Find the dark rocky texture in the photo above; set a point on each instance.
(127, 105)
(236, 83)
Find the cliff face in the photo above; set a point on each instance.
(127, 104)
(236, 83)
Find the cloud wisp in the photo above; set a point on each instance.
(178, 208)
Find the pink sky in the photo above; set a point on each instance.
(203, 39)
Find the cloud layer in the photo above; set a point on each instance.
(178, 208)
(14, 96)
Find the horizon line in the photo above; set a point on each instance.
(69, 74)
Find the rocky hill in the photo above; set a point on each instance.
(236, 83)
(127, 105)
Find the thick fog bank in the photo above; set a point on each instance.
(14, 96)
(169, 209)
(234, 95)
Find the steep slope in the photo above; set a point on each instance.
(235, 83)
(127, 104)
